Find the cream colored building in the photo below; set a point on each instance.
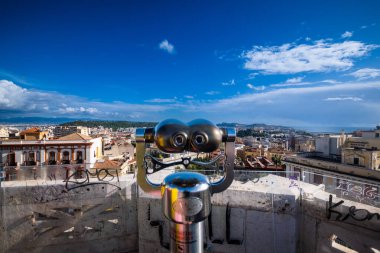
(363, 152)
(71, 149)
(330, 145)
(33, 134)
(4, 133)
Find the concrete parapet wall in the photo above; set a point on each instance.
(46, 216)
(266, 213)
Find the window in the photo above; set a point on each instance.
(66, 157)
(79, 157)
(356, 161)
(12, 159)
(52, 160)
(31, 156)
(51, 156)
(377, 135)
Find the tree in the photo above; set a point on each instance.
(276, 159)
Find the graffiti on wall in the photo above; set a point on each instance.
(334, 209)
(59, 183)
(359, 192)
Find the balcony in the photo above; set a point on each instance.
(52, 162)
(54, 209)
(65, 161)
(30, 163)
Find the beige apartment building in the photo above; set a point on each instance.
(363, 151)
(34, 149)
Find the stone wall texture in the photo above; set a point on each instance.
(258, 213)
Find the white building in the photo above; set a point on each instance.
(4, 133)
(330, 145)
(71, 149)
(372, 134)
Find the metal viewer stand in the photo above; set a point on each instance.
(186, 196)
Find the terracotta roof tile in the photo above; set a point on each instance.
(75, 137)
(107, 164)
(31, 130)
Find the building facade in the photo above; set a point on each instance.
(330, 145)
(33, 134)
(60, 131)
(362, 152)
(4, 132)
(71, 149)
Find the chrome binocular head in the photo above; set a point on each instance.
(174, 136)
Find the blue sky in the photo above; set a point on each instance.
(294, 63)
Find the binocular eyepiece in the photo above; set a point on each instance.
(174, 136)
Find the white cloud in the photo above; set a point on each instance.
(161, 100)
(229, 83)
(289, 84)
(252, 87)
(18, 101)
(294, 80)
(329, 81)
(238, 101)
(189, 97)
(69, 109)
(293, 106)
(366, 73)
(90, 110)
(320, 56)
(212, 92)
(347, 34)
(299, 105)
(80, 109)
(252, 75)
(355, 99)
(166, 46)
(363, 27)
(12, 96)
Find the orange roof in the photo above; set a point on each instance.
(75, 137)
(31, 130)
(107, 164)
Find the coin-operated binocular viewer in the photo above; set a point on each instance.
(186, 196)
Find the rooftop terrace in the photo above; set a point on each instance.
(53, 209)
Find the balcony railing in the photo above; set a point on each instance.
(30, 163)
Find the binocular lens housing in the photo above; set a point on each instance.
(174, 136)
(170, 136)
(204, 136)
